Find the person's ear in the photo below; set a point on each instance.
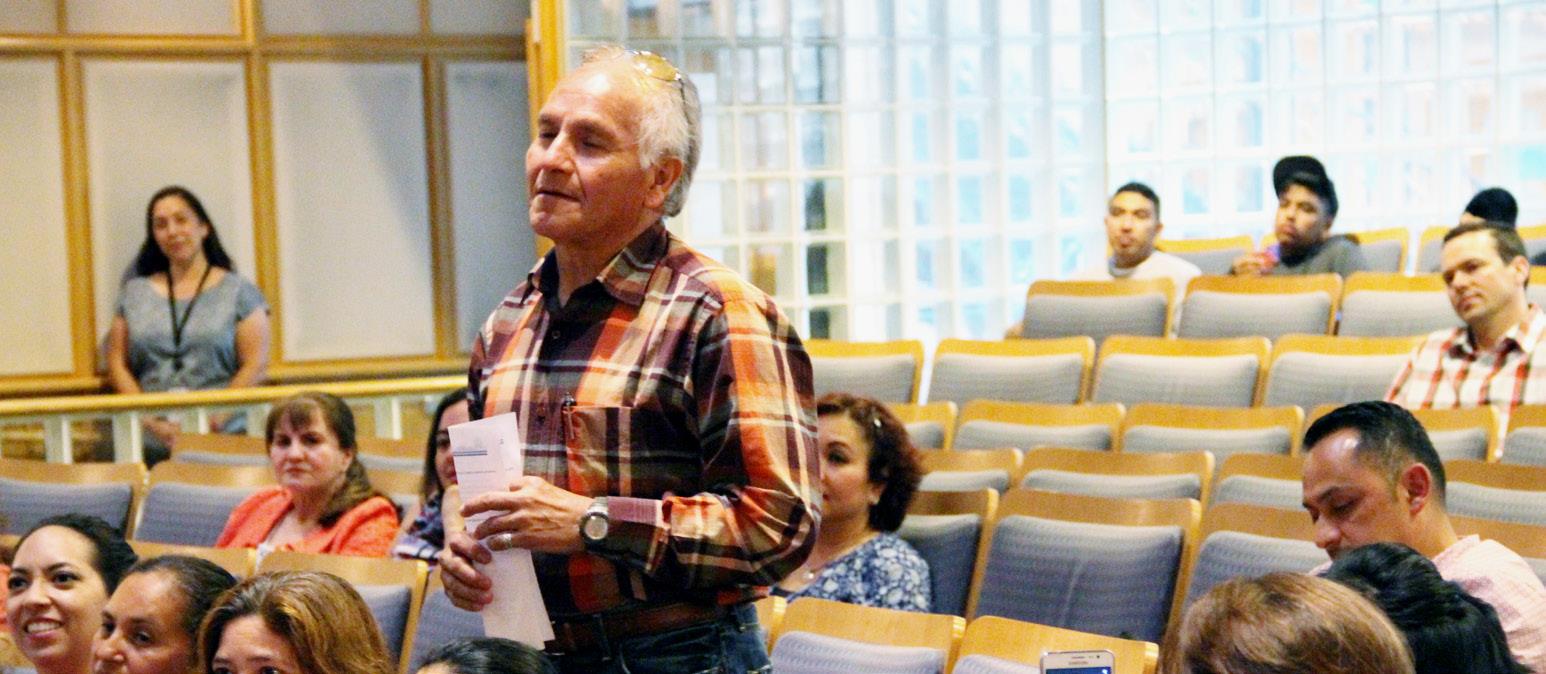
(663, 177)
(1521, 267)
(1417, 481)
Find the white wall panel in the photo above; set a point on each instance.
(35, 336)
(352, 196)
(488, 134)
(29, 16)
(152, 17)
(479, 17)
(387, 17)
(150, 124)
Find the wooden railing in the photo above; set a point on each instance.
(125, 411)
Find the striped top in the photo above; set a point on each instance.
(679, 391)
(1447, 371)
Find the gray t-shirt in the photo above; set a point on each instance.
(208, 340)
(1337, 255)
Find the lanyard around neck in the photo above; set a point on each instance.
(171, 304)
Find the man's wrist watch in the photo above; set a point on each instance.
(595, 522)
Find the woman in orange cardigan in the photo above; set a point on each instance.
(324, 503)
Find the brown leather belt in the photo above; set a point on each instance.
(593, 632)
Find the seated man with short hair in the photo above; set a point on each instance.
(1132, 227)
(1371, 475)
(1493, 360)
(1307, 207)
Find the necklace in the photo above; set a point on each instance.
(171, 304)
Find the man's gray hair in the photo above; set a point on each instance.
(669, 124)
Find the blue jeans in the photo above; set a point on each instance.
(729, 645)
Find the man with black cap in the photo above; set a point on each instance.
(1307, 206)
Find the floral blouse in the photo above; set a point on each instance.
(885, 572)
(425, 536)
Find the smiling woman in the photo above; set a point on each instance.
(324, 502)
(60, 579)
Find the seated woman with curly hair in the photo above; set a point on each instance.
(869, 473)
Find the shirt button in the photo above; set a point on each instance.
(555, 334)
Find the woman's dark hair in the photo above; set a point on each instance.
(151, 260)
(112, 555)
(489, 656)
(431, 481)
(300, 409)
(893, 461)
(1447, 629)
(200, 581)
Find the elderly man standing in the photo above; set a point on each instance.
(1491, 361)
(1371, 475)
(667, 404)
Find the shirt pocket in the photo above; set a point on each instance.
(629, 451)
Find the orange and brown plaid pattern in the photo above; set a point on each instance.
(679, 391)
(1446, 371)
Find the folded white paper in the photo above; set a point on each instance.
(489, 453)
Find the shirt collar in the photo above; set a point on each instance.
(1524, 336)
(626, 277)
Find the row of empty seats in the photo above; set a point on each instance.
(1302, 370)
(1463, 433)
(1366, 304)
(1385, 250)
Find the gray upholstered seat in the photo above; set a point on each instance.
(1310, 379)
(1509, 505)
(1464, 443)
(1214, 262)
(809, 653)
(1230, 554)
(24, 503)
(884, 378)
(984, 434)
(977, 663)
(1207, 313)
(1221, 442)
(1105, 579)
(1379, 313)
(1215, 381)
(1539, 566)
(1536, 294)
(1263, 491)
(926, 434)
(1526, 446)
(1095, 317)
(440, 622)
(1115, 486)
(403, 463)
(389, 604)
(1428, 256)
(962, 378)
(187, 514)
(964, 480)
(949, 544)
(1382, 256)
(222, 458)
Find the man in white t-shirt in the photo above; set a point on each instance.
(1132, 226)
(1371, 475)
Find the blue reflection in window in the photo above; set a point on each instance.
(923, 202)
(969, 209)
(1019, 137)
(925, 267)
(974, 263)
(1248, 189)
(1532, 162)
(1070, 251)
(1022, 261)
(1068, 197)
(1249, 121)
(1019, 198)
(1250, 60)
(968, 138)
(976, 318)
(921, 136)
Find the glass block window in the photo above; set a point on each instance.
(885, 168)
(1412, 105)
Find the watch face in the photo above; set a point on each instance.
(595, 527)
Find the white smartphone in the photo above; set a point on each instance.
(1078, 662)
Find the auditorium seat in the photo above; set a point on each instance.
(1525, 443)
(988, 423)
(820, 636)
(1212, 256)
(1385, 250)
(1269, 306)
(31, 491)
(1271, 480)
(1106, 566)
(995, 645)
(1496, 491)
(220, 448)
(929, 425)
(188, 503)
(886, 371)
(947, 528)
(1209, 372)
(392, 588)
(1098, 309)
(1155, 475)
(440, 622)
(1239, 539)
(1394, 305)
(240, 562)
(1312, 370)
(1018, 370)
(1462, 433)
(970, 469)
(770, 612)
(1224, 431)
